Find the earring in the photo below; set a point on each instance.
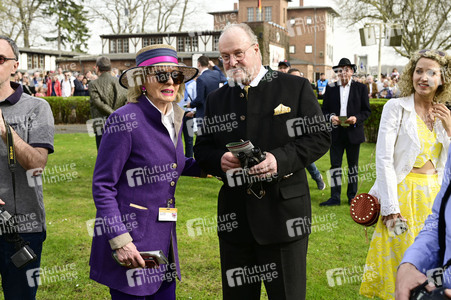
(143, 90)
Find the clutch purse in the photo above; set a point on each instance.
(365, 209)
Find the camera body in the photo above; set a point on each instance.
(24, 254)
(421, 293)
(251, 158)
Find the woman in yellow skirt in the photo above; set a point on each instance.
(411, 151)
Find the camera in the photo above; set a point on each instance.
(251, 158)
(420, 292)
(24, 254)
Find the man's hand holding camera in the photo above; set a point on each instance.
(266, 168)
(408, 278)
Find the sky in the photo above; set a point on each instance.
(346, 39)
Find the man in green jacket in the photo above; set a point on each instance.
(106, 96)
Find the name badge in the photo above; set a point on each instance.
(167, 214)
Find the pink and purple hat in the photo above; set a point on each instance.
(159, 55)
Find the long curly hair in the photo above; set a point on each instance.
(443, 93)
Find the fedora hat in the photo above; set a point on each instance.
(159, 55)
(345, 62)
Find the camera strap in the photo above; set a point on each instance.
(11, 153)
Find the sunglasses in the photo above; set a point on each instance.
(3, 59)
(441, 53)
(163, 77)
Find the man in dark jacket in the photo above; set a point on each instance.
(267, 210)
(349, 100)
(208, 81)
(107, 95)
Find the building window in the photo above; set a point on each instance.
(180, 44)
(30, 61)
(35, 61)
(195, 43)
(188, 44)
(41, 61)
(215, 43)
(268, 13)
(259, 14)
(119, 46)
(156, 40)
(308, 48)
(250, 14)
(292, 49)
(146, 42)
(308, 20)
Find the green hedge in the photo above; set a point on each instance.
(372, 123)
(70, 110)
(76, 110)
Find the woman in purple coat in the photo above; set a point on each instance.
(139, 162)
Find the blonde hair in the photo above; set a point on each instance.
(443, 93)
(135, 91)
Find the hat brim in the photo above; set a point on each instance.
(129, 78)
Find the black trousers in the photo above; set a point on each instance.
(282, 268)
(336, 171)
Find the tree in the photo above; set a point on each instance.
(425, 23)
(128, 16)
(17, 17)
(70, 25)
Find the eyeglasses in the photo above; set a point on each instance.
(341, 70)
(3, 59)
(441, 53)
(239, 55)
(163, 77)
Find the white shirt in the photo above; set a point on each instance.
(344, 96)
(168, 121)
(257, 79)
(66, 88)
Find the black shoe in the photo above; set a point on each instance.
(320, 183)
(330, 202)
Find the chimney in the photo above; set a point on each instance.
(235, 6)
(301, 3)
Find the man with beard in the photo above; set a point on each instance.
(270, 202)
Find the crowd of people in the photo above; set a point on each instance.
(271, 196)
(57, 83)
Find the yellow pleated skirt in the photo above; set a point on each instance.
(416, 194)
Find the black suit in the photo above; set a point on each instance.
(262, 223)
(346, 138)
(207, 82)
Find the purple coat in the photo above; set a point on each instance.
(136, 172)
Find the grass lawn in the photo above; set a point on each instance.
(336, 242)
